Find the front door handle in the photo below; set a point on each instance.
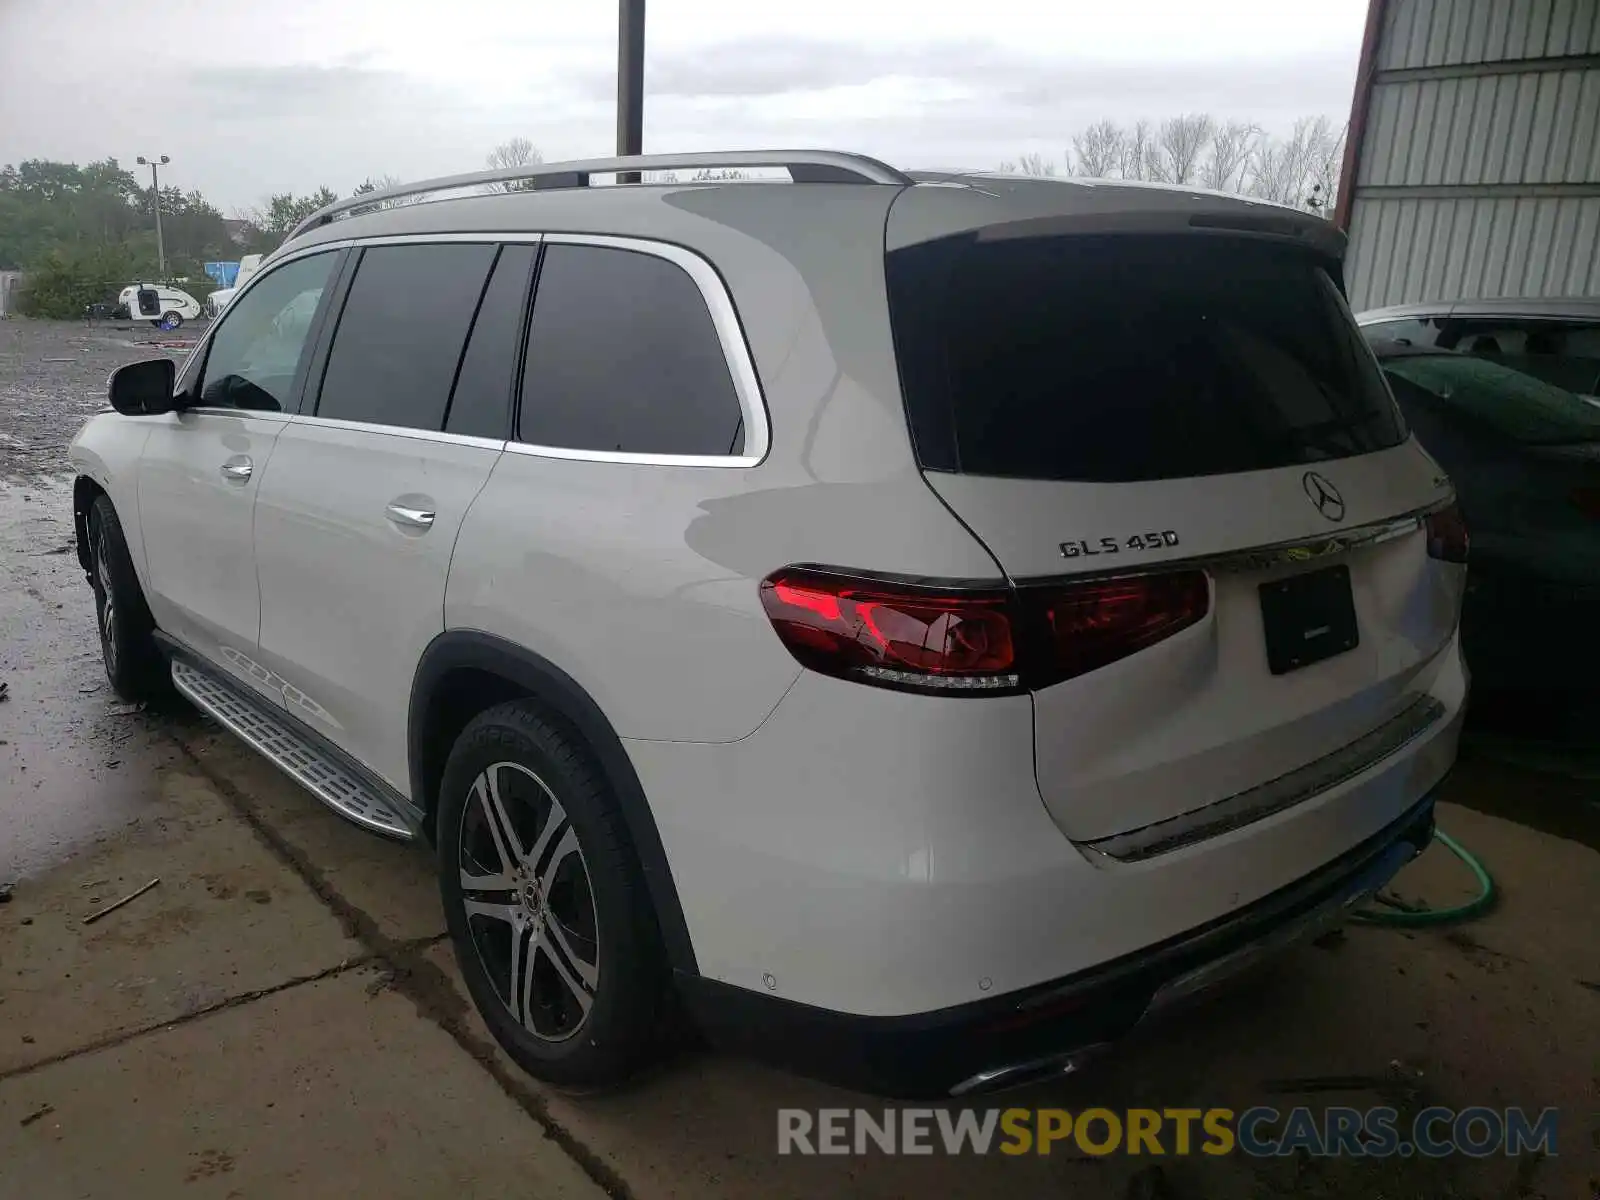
(411, 518)
(237, 469)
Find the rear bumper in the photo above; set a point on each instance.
(1050, 1028)
(885, 855)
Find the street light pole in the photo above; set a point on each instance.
(630, 83)
(155, 199)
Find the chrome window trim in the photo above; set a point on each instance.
(208, 410)
(735, 352)
(406, 431)
(1302, 784)
(724, 319)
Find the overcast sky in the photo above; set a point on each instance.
(254, 96)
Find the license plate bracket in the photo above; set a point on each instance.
(1308, 618)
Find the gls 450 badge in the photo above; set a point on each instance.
(1111, 545)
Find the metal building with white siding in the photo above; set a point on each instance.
(1472, 167)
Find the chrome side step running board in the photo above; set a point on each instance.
(275, 738)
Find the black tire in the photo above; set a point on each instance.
(543, 772)
(134, 663)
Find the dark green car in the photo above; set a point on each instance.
(1525, 458)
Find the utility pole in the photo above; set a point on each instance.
(630, 83)
(155, 200)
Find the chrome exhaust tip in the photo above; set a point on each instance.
(1015, 1075)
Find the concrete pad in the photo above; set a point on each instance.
(227, 919)
(74, 761)
(390, 882)
(706, 1126)
(331, 1089)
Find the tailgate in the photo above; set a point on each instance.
(1199, 406)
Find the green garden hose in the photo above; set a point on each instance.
(1397, 913)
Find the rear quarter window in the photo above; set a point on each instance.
(1130, 357)
(623, 356)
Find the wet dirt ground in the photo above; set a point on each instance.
(281, 1016)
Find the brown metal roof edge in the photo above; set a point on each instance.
(1360, 102)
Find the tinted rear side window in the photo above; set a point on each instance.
(623, 355)
(1125, 358)
(481, 403)
(399, 339)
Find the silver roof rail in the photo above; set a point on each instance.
(804, 166)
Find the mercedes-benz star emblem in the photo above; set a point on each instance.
(1324, 495)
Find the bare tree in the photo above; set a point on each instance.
(1300, 169)
(518, 152)
(1036, 164)
(716, 175)
(1232, 145)
(1175, 156)
(1326, 163)
(1286, 171)
(1098, 150)
(1138, 151)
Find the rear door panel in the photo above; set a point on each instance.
(350, 596)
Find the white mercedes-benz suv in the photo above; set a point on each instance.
(921, 623)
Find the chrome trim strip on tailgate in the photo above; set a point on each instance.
(1295, 552)
(1162, 837)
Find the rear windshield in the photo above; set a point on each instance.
(1130, 357)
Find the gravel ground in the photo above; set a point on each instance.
(53, 378)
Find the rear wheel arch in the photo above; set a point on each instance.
(465, 672)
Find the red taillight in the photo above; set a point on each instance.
(957, 641)
(900, 636)
(1095, 623)
(1447, 535)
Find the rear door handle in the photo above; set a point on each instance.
(237, 469)
(411, 518)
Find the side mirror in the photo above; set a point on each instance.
(144, 389)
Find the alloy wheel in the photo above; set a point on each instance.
(106, 599)
(528, 900)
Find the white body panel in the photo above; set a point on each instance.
(196, 523)
(598, 568)
(1199, 717)
(350, 595)
(106, 450)
(1024, 521)
(910, 865)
